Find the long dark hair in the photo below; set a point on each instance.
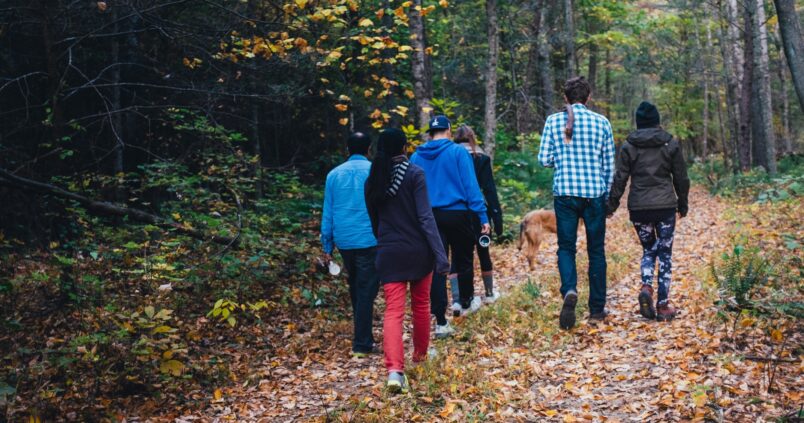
(390, 144)
(576, 90)
(467, 135)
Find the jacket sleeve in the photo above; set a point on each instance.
(546, 147)
(471, 189)
(485, 177)
(326, 219)
(681, 182)
(427, 223)
(621, 176)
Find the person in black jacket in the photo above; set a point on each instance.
(409, 247)
(465, 136)
(653, 160)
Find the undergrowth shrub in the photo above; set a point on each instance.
(739, 274)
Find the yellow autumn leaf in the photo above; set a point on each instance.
(218, 394)
(344, 98)
(443, 3)
(301, 3)
(448, 409)
(343, 121)
(341, 107)
(550, 413)
(173, 367)
(777, 335)
(365, 22)
(699, 399)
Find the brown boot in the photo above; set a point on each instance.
(665, 312)
(646, 302)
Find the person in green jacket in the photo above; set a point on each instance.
(659, 191)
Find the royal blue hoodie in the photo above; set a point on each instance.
(450, 175)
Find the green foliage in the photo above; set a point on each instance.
(739, 274)
(755, 184)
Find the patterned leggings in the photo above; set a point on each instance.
(657, 243)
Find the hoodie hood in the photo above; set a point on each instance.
(649, 137)
(433, 148)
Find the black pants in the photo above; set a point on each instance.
(363, 287)
(458, 235)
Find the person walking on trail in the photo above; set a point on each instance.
(579, 144)
(654, 162)
(408, 249)
(465, 137)
(345, 223)
(455, 196)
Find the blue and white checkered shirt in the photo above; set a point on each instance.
(585, 166)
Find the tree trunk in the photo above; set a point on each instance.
(786, 141)
(569, 34)
(256, 143)
(490, 119)
(116, 117)
(746, 90)
(764, 137)
(793, 40)
(548, 94)
(526, 113)
(731, 81)
(419, 68)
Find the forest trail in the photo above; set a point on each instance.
(625, 369)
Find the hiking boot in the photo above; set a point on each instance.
(665, 312)
(566, 320)
(646, 302)
(397, 383)
(489, 299)
(599, 315)
(364, 354)
(473, 306)
(444, 331)
(456, 309)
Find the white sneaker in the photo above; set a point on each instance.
(473, 306)
(443, 331)
(490, 299)
(456, 309)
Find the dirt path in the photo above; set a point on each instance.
(510, 363)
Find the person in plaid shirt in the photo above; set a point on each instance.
(579, 145)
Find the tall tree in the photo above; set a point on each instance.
(763, 137)
(729, 42)
(421, 76)
(548, 95)
(569, 39)
(793, 40)
(744, 142)
(526, 112)
(490, 115)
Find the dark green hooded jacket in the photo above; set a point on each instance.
(655, 164)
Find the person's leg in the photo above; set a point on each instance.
(392, 347)
(646, 232)
(438, 289)
(487, 269)
(463, 246)
(567, 232)
(420, 307)
(664, 252)
(350, 265)
(594, 220)
(366, 286)
(453, 287)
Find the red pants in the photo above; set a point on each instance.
(394, 315)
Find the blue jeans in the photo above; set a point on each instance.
(657, 244)
(593, 212)
(363, 287)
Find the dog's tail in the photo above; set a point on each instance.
(521, 235)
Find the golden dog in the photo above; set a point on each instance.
(533, 230)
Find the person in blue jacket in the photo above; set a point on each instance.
(454, 195)
(345, 223)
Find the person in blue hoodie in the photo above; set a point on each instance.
(454, 195)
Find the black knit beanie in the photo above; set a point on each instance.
(647, 116)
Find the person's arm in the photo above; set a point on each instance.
(471, 189)
(546, 148)
(372, 212)
(681, 182)
(607, 157)
(485, 177)
(620, 179)
(326, 220)
(427, 223)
